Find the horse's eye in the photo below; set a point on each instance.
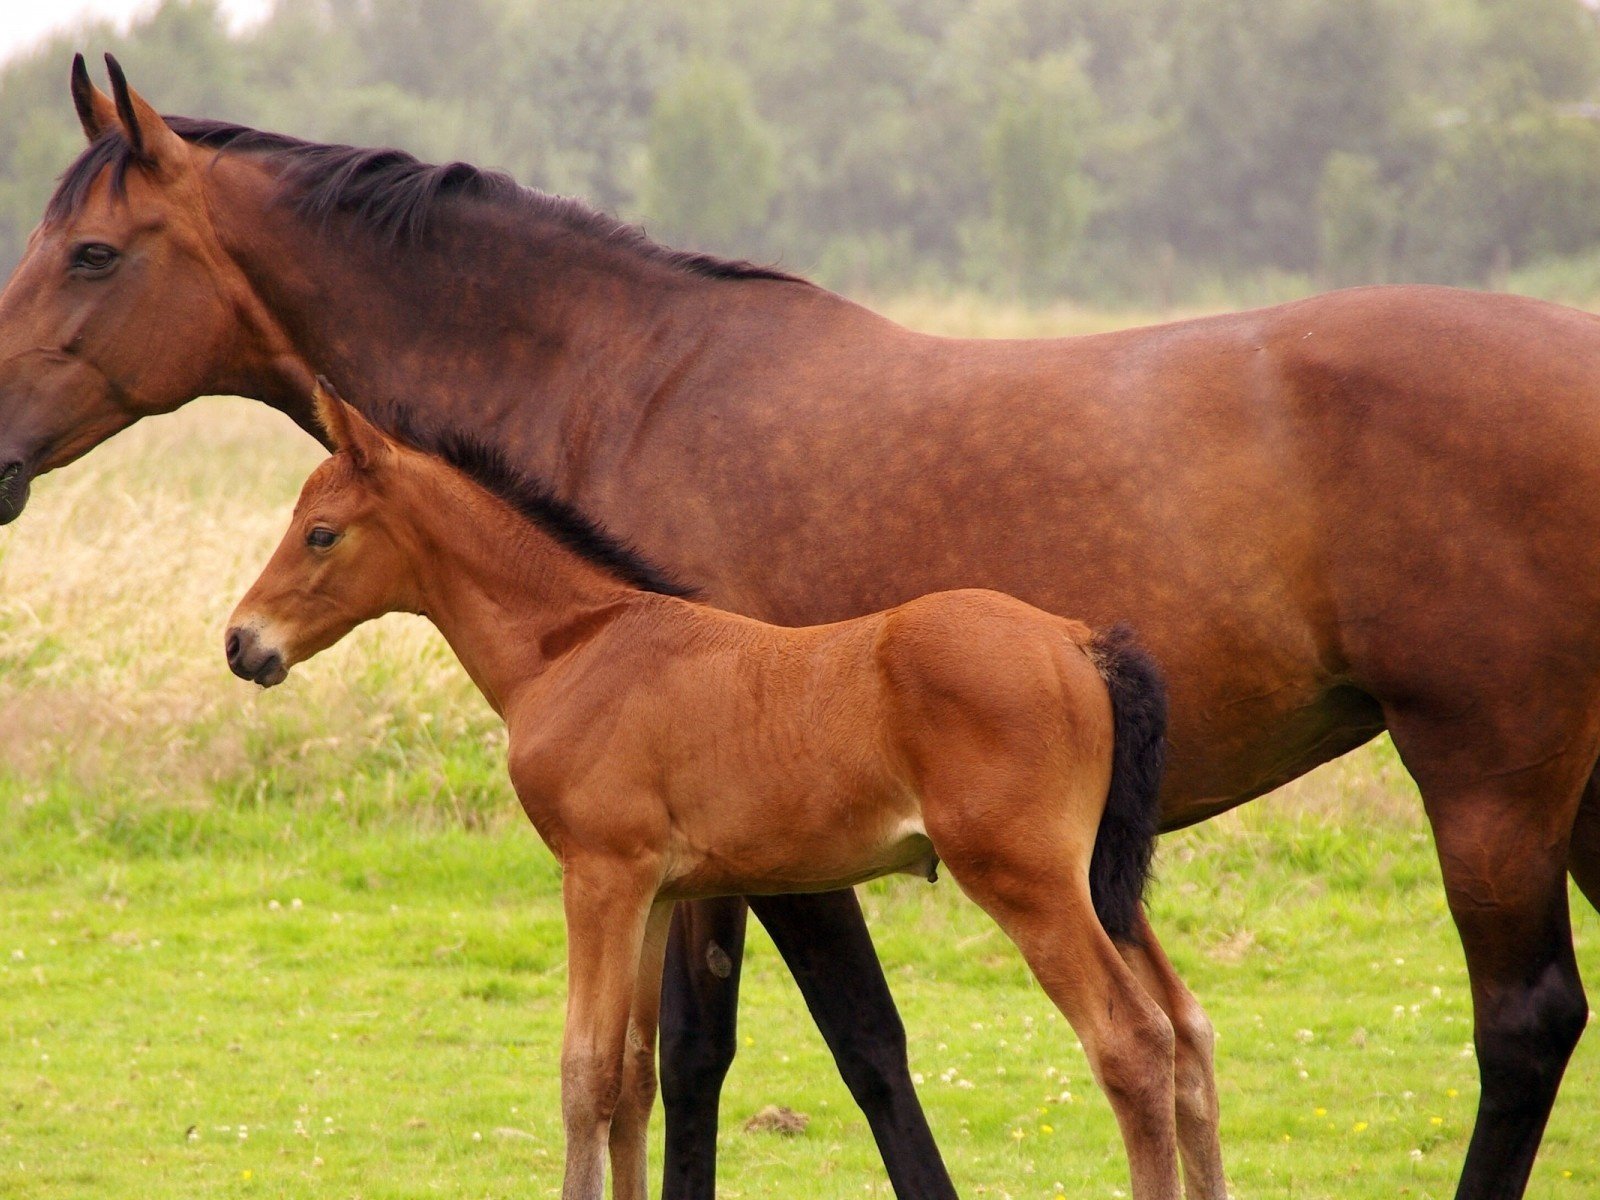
(93, 257)
(321, 538)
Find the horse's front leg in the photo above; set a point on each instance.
(607, 909)
(630, 1123)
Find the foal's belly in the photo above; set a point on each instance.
(801, 851)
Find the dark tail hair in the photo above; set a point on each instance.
(1120, 865)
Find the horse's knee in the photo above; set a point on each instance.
(694, 1062)
(871, 1058)
(1526, 1034)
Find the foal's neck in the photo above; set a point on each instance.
(505, 594)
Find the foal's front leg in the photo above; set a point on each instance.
(630, 1123)
(607, 908)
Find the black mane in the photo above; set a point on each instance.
(491, 470)
(389, 191)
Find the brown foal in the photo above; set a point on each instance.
(667, 750)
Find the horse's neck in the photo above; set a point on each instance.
(541, 342)
(506, 596)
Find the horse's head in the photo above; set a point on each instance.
(346, 558)
(124, 304)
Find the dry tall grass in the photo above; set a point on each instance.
(114, 588)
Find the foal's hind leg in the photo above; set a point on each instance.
(1503, 839)
(1033, 890)
(1194, 1068)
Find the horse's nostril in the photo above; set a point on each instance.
(233, 645)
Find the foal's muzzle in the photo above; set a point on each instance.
(249, 660)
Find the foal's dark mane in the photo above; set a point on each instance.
(393, 194)
(491, 470)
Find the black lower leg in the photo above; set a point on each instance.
(824, 940)
(699, 1013)
(1526, 1032)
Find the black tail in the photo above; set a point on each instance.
(1120, 865)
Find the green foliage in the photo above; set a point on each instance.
(1125, 149)
(1513, 181)
(1552, 39)
(1263, 92)
(1356, 216)
(711, 161)
(1039, 194)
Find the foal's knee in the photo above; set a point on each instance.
(639, 1079)
(1135, 1062)
(591, 1087)
(1525, 1037)
(1195, 1058)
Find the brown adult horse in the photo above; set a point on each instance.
(666, 751)
(1374, 509)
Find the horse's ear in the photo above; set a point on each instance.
(97, 112)
(347, 429)
(147, 131)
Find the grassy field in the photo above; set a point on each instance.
(301, 943)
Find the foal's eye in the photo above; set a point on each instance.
(93, 257)
(321, 538)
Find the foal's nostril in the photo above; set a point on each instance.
(233, 646)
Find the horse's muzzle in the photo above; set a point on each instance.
(248, 660)
(15, 484)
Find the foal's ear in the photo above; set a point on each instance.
(147, 131)
(347, 429)
(97, 112)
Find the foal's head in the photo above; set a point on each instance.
(349, 555)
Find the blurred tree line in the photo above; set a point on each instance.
(1125, 150)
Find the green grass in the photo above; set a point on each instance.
(302, 944)
(263, 999)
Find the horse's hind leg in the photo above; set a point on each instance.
(1583, 857)
(1030, 886)
(1503, 839)
(824, 942)
(1193, 1062)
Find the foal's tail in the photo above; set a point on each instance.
(1120, 865)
